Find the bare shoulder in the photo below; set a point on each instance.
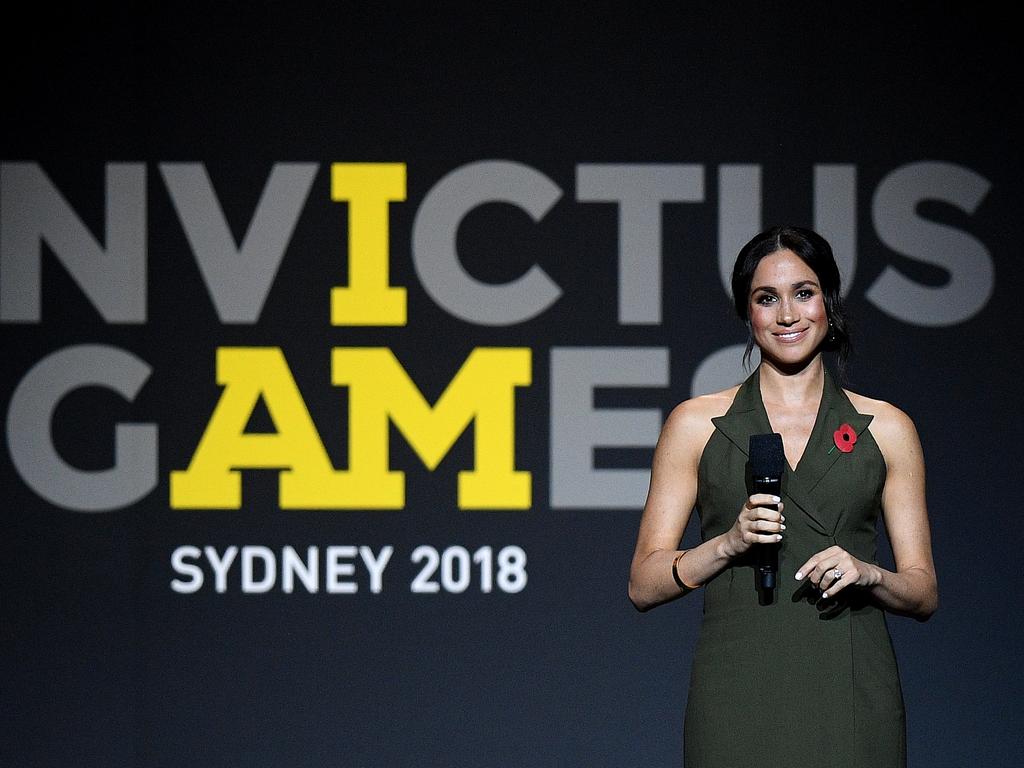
(893, 430)
(689, 424)
(703, 408)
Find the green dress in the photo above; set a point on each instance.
(800, 681)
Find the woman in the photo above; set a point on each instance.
(810, 677)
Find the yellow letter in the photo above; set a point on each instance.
(482, 390)
(368, 188)
(212, 479)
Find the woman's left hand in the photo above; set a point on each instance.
(834, 569)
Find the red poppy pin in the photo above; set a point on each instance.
(845, 437)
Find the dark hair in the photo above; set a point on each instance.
(817, 254)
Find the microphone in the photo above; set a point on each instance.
(767, 462)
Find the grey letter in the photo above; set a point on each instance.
(376, 565)
(180, 566)
(723, 369)
(739, 214)
(577, 427)
(968, 262)
(835, 215)
(29, 438)
(335, 569)
(292, 566)
(250, 554)
(640, 191)
(32, 210)
(238, 280)
(437, 260)
(221, 566)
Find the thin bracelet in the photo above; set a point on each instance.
(675, 573)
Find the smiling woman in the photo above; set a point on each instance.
(821, 644)
(785, 282)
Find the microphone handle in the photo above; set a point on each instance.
(767, 554)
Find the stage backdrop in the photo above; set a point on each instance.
(336, 344)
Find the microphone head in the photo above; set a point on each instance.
(767, 457)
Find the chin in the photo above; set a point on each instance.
(790, 358)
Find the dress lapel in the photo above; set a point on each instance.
(822, 454)
(747, 416)
(744, 417)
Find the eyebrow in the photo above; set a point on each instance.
(771, 288)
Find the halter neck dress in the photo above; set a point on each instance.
(799, 681)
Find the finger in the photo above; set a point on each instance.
(766, 513)
(767, 525)
(814, 569)
(814, 560)
(846, 580)
(764, 500)
(824, 573)
(829, 577)
(804, 571)
(753, 537)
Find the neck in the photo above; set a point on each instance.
(792, 385)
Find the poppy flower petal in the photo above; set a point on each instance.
(845, 437)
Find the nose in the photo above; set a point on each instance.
(788, 314)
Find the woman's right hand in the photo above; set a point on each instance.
(757, 523)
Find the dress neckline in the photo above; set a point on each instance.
(823, 408)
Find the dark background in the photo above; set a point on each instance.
(104, 665)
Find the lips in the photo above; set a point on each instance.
(790, 337)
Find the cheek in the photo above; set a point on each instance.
(760, 317)
(816, 311)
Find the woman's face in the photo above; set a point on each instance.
(786, 309)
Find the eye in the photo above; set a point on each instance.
(805, 293)
(764, 299)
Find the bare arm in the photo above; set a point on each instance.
(670, 501)
(911, 589)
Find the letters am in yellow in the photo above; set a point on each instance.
(380, 392)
